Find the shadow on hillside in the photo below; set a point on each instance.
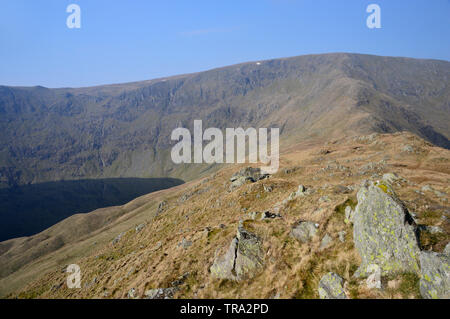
(29, 209)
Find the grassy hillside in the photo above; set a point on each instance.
(199, 219)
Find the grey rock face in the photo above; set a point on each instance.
(435, 275)
(243, 259)
(304, 231)
(383, 231)
(331, 287)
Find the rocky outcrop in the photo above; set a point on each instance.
(243, 259)
(251, 174)
(435, 275)
(331, 287)
(304, 231)
(300, 192)
(384, 232)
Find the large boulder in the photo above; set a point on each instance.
(331, 287)
(304, 231)
(384, 232)
(243, 259)
(435, 275)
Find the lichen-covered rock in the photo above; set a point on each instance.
(223, 266)
(384, 232)
(331, 287)
(304, 231)
(243, 259)
(435, 275)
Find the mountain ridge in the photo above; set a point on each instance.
(107, 131)
(161, 78)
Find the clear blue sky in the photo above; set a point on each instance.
(121, 41)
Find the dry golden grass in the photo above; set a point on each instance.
(209, 217)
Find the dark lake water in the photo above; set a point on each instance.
(29, 209)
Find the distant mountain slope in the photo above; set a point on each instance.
(124, 130)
